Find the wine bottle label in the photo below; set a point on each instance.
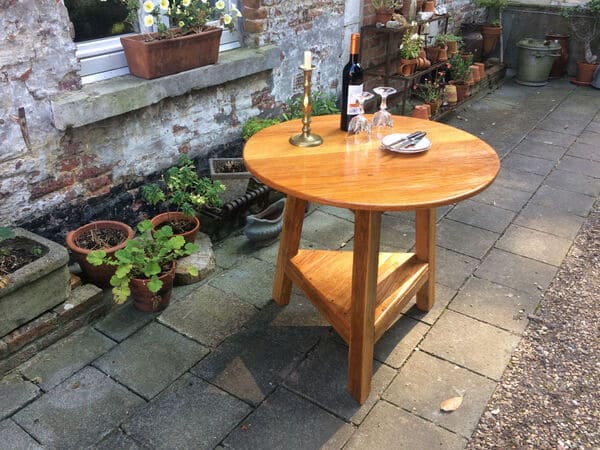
(353, 92)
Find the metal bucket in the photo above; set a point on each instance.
(536, 57)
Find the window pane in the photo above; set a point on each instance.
(95, 19)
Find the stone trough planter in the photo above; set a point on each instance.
(36, 287)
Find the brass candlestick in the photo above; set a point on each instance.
(305, 139)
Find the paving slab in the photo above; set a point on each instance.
(389, 427)
(323, 378)
(537, 245)
(580, 165)
(529, 147)
(398, 342)
(249, 366)
(123, 322)
(551, 137)
(230, 250)
(482, 215)
(593, 127)
(495, 304)
(208, 315)
(269, 252)
(342, 213)
(524, 163)
(190, 414)
(574, 182)
(67, 356)
(15, 393)
(251, 280)
(425, 381)
(117, 440)
(567, 125)
(452, 269)
(13, 437)
(151, 359)
(502, 197)
(464, 238)
(472, 344)
(550, 220)
(516, 271)
(79, 411)
(287, 421)
(569, 201)
(443, 295)
(327, 231)
(515, 179)
(585, 150)
(397, 233)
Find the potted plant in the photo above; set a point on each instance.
(106, 235)
(192, 44)
(232, 173)
(460, 71)
(449, 41)
(585, 24)
(409, 52)
(492, 30)
(430, 92)
(384, 9)
(145, 267)
(182, 188)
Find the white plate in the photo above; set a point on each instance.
(421, 146)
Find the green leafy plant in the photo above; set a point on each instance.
(460, 68)
(443, 39)
(410, 45)
(585, 24)
(322, 104)
(144, 256)
(386, 4)
(255, 124)
(184, 189)
(429, 91)
(495, 8)
(189, 16)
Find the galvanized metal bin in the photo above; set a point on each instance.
(536, 57)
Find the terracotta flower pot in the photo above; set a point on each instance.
(442, 54)
(491, 35)
(383, 15)
(421, 112)
(462, 91)
(98, 275)
(559, 67)
(161, 57)
(147, 301)
(407, 67)
(166, 218)
(434, 106)
(452, 47)
(433, 54)
(584, 73)
(475, 73)
(481, 67)
(450, 94)
(429, 6)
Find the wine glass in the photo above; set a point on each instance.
(360, 127)
(382, 118)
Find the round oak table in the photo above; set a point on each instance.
(363, 292)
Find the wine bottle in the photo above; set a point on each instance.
(352, 83)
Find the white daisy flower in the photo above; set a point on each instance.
(226, 19)
(148, 6)
(181, 24)
(164, 4)
(148, 20)
(220, 4)
(186, 2)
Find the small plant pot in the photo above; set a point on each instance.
(452, 47)
(584, 73)
(462, 91)
(383, 15)
(481, 67)
(264, 227)
(429, 6)
(433, 54)
(421, 112)
(407, 67)
(147, 301)
(98, 275)
(233, 174)
(442, 54)
(475, 73)
(491, 35)
(434, 106)
(450, 94)
(169, 217)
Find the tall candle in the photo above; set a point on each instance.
(307, 60)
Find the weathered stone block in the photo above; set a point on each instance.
(36, 287)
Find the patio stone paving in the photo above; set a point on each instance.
(225, 367)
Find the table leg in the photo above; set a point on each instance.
(367, 227)
(425, 251)
(293, 219)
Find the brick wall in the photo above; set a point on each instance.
(63, 179)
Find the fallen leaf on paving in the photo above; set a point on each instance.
(451, 404)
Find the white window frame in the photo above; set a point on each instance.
(102, 59)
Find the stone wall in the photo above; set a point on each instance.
(61, 179)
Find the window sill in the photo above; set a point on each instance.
(110, 98)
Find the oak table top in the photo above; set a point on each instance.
(361, 176)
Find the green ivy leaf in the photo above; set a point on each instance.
(96, 257)
(193, 271)
(154, 284)
(152, 268)
(123, 270)
(121, 292)
(177, 242)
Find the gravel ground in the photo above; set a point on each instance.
(549, 396)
